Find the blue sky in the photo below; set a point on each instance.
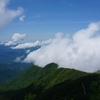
(44, 18)
(31, 23)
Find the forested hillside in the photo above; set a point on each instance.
(51, 83)
(9, 70)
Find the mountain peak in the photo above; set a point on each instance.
(51, 65)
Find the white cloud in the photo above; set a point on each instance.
(19, 59)
(16, 37)
(32, 44)
(22, 18)
(9, 43)
(28, 51)
(46, 42)
(86, 33)
(81, 52)
(27, 45)
(6, 14)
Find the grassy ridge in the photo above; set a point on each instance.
(50, 83)
(49, 75)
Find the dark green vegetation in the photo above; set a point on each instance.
(8, 55)
(52, 83)
(8, 65)
(9, 70)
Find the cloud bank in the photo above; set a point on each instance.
(6, 14)
(15, 38)
(31, 44)
(27, 45)
(81, 52)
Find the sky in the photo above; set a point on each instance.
(42, 19)
(67, 31)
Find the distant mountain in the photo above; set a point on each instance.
(8, 67)
(9, 70)
(50, 83)
(35, 73)
(8, 55)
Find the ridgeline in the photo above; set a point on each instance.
(51, 83)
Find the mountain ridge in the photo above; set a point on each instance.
(46, 81)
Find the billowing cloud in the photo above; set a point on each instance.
(22, 18)
(6, 14)
(27, 45)
(16, 37)
(81, 52)
(9, 43)
(32, 44)
(46, 42)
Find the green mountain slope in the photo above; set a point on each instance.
(48, 75)
(50, 83)
(9, 70)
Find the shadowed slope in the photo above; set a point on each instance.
(44, 82)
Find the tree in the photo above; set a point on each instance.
(95, 88)
(29, 96)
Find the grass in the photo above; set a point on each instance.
(50, 83)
